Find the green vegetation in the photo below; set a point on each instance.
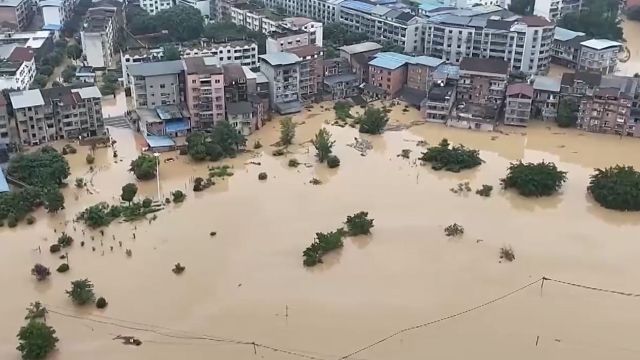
(373, 120)
(359, 224)
(80, 182)
(616, 188)
(170, 53)
(40, 272)
(485, 190)
(90, 159)
(534, 179)
(41, 168)
(336, 35)
(287, 131)
(461, 188)
(36, 312)
(102, 214)
(223, 141)
(451, 158)
(454, 230)
(507, 254)
(178, 269)
(69, 73)
(101, 303)
(129, 192)
(181, 22)
(278, 152)
(598, 19)
(343, 110)
(74, 51)
(39, 81)
(323, 243)
(405, 153)
(53, 200)
(109, 85)
(65, 240)
(63, 268)
(257, 145)
(262, 176)
(323, 144)
(333, 161)
(220, 171)
(567, 113)
(199, 184)
(36, 340)
(522, 7)
(54, 248)
(69, 149)
(81, 292)
(178, 196)
(293, 162)
(144, 167)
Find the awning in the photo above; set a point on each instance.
(176, 125)
(289, 107)
(159, 141)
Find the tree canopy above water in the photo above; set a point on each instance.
(616, 188)
(451, 158)
(534, 179)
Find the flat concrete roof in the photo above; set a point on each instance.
(26, 98)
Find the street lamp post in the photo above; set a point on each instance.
(157, 156)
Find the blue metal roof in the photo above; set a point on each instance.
(387, 62)
(4, 187)
(52, 27)
(176, 125)
(159, 141)
(357, 5)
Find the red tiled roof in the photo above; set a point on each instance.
(305, 50)
(520, 88)
(21, 54)
(534, 20)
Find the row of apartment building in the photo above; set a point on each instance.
(44, 115)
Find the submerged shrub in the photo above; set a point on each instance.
(454, 230)
(323, 243)
(40, 272)
(485, 190)
(101, 303)
(451, 158)
(506, 253)
(64, 267)
(616, 188)
(534, 179)
(293, 162)
(333, 161)
(262, 176)
(359, 224)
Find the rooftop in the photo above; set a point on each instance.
(167, 112)
(494, 66)
(280, 58)
(360, 48)
(156, 68)
(10, 3)
(387, 62)
(441, 93)
(298, 21)
(600, 44)
(232, 72)
(199, 65)
(546, 83)
(306, 50)
(240, 107)
(90, 92)
(27, 98)
(520, 88)
(21, 54)
(335, 79)
(562, 34)
(535, 20)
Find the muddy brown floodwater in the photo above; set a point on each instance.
(243, 282)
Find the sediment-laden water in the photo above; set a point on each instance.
(248, 282)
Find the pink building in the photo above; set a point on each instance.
(204, 92)
(387, 74)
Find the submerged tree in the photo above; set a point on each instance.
(373, 120)
(323, 144)
(40, 272)
(567, 113)
(81, 292)
(129, 192)
(287, 131)
(359, 224)
(36, 340)
(454, 230)
(323, 243)
(616, 188)
(534, 179)
(144, 167)
(36, 311)
(53, 200)
(451, 158)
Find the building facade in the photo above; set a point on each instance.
(518, 104)
(154, 6)
(98, 36)
(155, 84)
(599, 55)
(283, 72)
(607, 111)
(311, 70)
(16, 14)
(57, 113)
(18, 70)
(204, 92)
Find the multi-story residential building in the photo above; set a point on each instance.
(204, 92)
(311, 70)
(5, 124)
(56, 12)
(436, 107)
(242, 117)
(382, 23)
(566, 47)
(548, 9)
(580, 83)
(608, 110)
(18, 68)
(254, 17)
(204, 6)
(155, 84)
(391, 72)
(388, 74)
(98, 36)
(518, 104)
(154, 6)
(41, 42)
(239, 82)
(16, 14)
(599, 55)
(340, 86)
(57, 113)
(283, 72)
(419, 70)
(287, 39)
(358, 56)
(546, 97)
(524, 42)
(242, 52)
(314, 28)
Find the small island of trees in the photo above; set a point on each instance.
(451, 158)
(616, 188)
(36, 339)
(223, 141)
(534, 179)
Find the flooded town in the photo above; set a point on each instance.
(213, 206)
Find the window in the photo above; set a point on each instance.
(193, 81)
(161, 86)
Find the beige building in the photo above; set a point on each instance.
(57, 113)
(518, 104)
(204, 92)
(311, 70)
(607, 111)
(16, 14)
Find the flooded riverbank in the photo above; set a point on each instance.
(248, 282)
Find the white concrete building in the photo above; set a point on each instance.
(599, 55)
(154, 6)
(98, 36)
(282, 69)
(524, 42)
(548, 9)
(314, 28)
(18, 68)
